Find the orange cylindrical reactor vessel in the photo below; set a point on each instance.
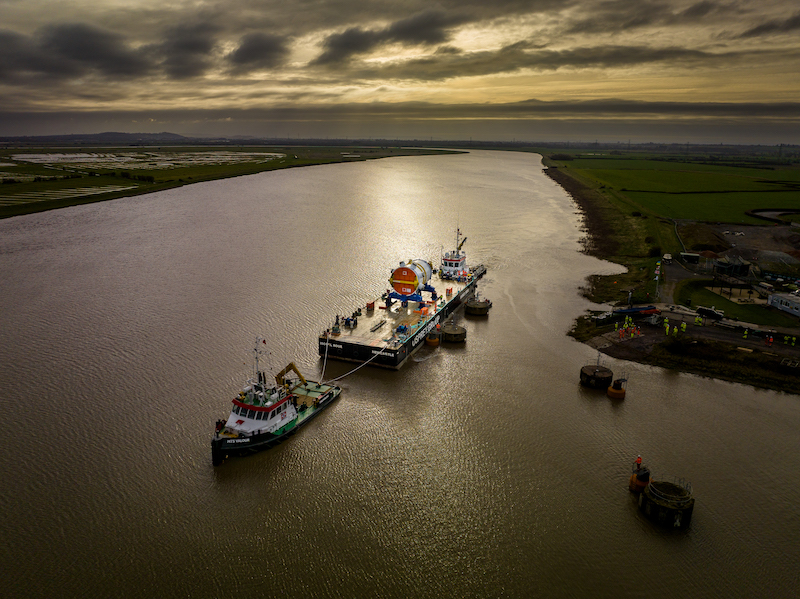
(407, 278)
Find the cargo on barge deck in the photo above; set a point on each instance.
(363, 336)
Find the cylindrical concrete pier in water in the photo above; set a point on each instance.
(477, 306)
(667, 503)
(452, 333)
(596, 376)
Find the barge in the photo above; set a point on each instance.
(387, 331)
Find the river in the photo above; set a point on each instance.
(476, 471)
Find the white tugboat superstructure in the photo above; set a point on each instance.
(454, 263)
(263, 415)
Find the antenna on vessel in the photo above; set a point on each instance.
(257, 351)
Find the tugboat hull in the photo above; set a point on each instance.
(227, 445)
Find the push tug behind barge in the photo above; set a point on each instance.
(263, 415)
(391, 328)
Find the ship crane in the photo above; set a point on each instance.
(279, 378)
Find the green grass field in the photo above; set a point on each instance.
(690, 189)
(635, 197)
(714, 207)
(682, 181)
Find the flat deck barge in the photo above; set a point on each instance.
(389, 330)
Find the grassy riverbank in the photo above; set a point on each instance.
(43, 178)
(637, 208)
(618, 231)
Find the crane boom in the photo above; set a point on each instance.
(279, 377)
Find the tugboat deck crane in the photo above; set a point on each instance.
(279, 378)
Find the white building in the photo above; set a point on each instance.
(788, 302)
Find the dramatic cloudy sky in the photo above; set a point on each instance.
(661, 70)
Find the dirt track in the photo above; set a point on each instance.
(639, 347)
(772, 238)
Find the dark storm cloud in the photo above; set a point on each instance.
(20, 56)
(621, 15)
(76, 49)
(774, 26)
(283, 18)
(69, 50)
(341, 46)
(259, 50)
(186, 50)
(522, 55)
(701, 9)
(91, 48)
(425, 28)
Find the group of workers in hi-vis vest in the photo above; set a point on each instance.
(769, 339)
(628, 327)
(674, 328)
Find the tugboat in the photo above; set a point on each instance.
(454, 264)
(264, 415)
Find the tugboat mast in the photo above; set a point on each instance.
(256, 352)
(459, 245)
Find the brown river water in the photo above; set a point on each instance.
(476, 471)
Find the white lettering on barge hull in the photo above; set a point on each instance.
(428, 328)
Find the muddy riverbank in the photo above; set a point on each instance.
(717, 350)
